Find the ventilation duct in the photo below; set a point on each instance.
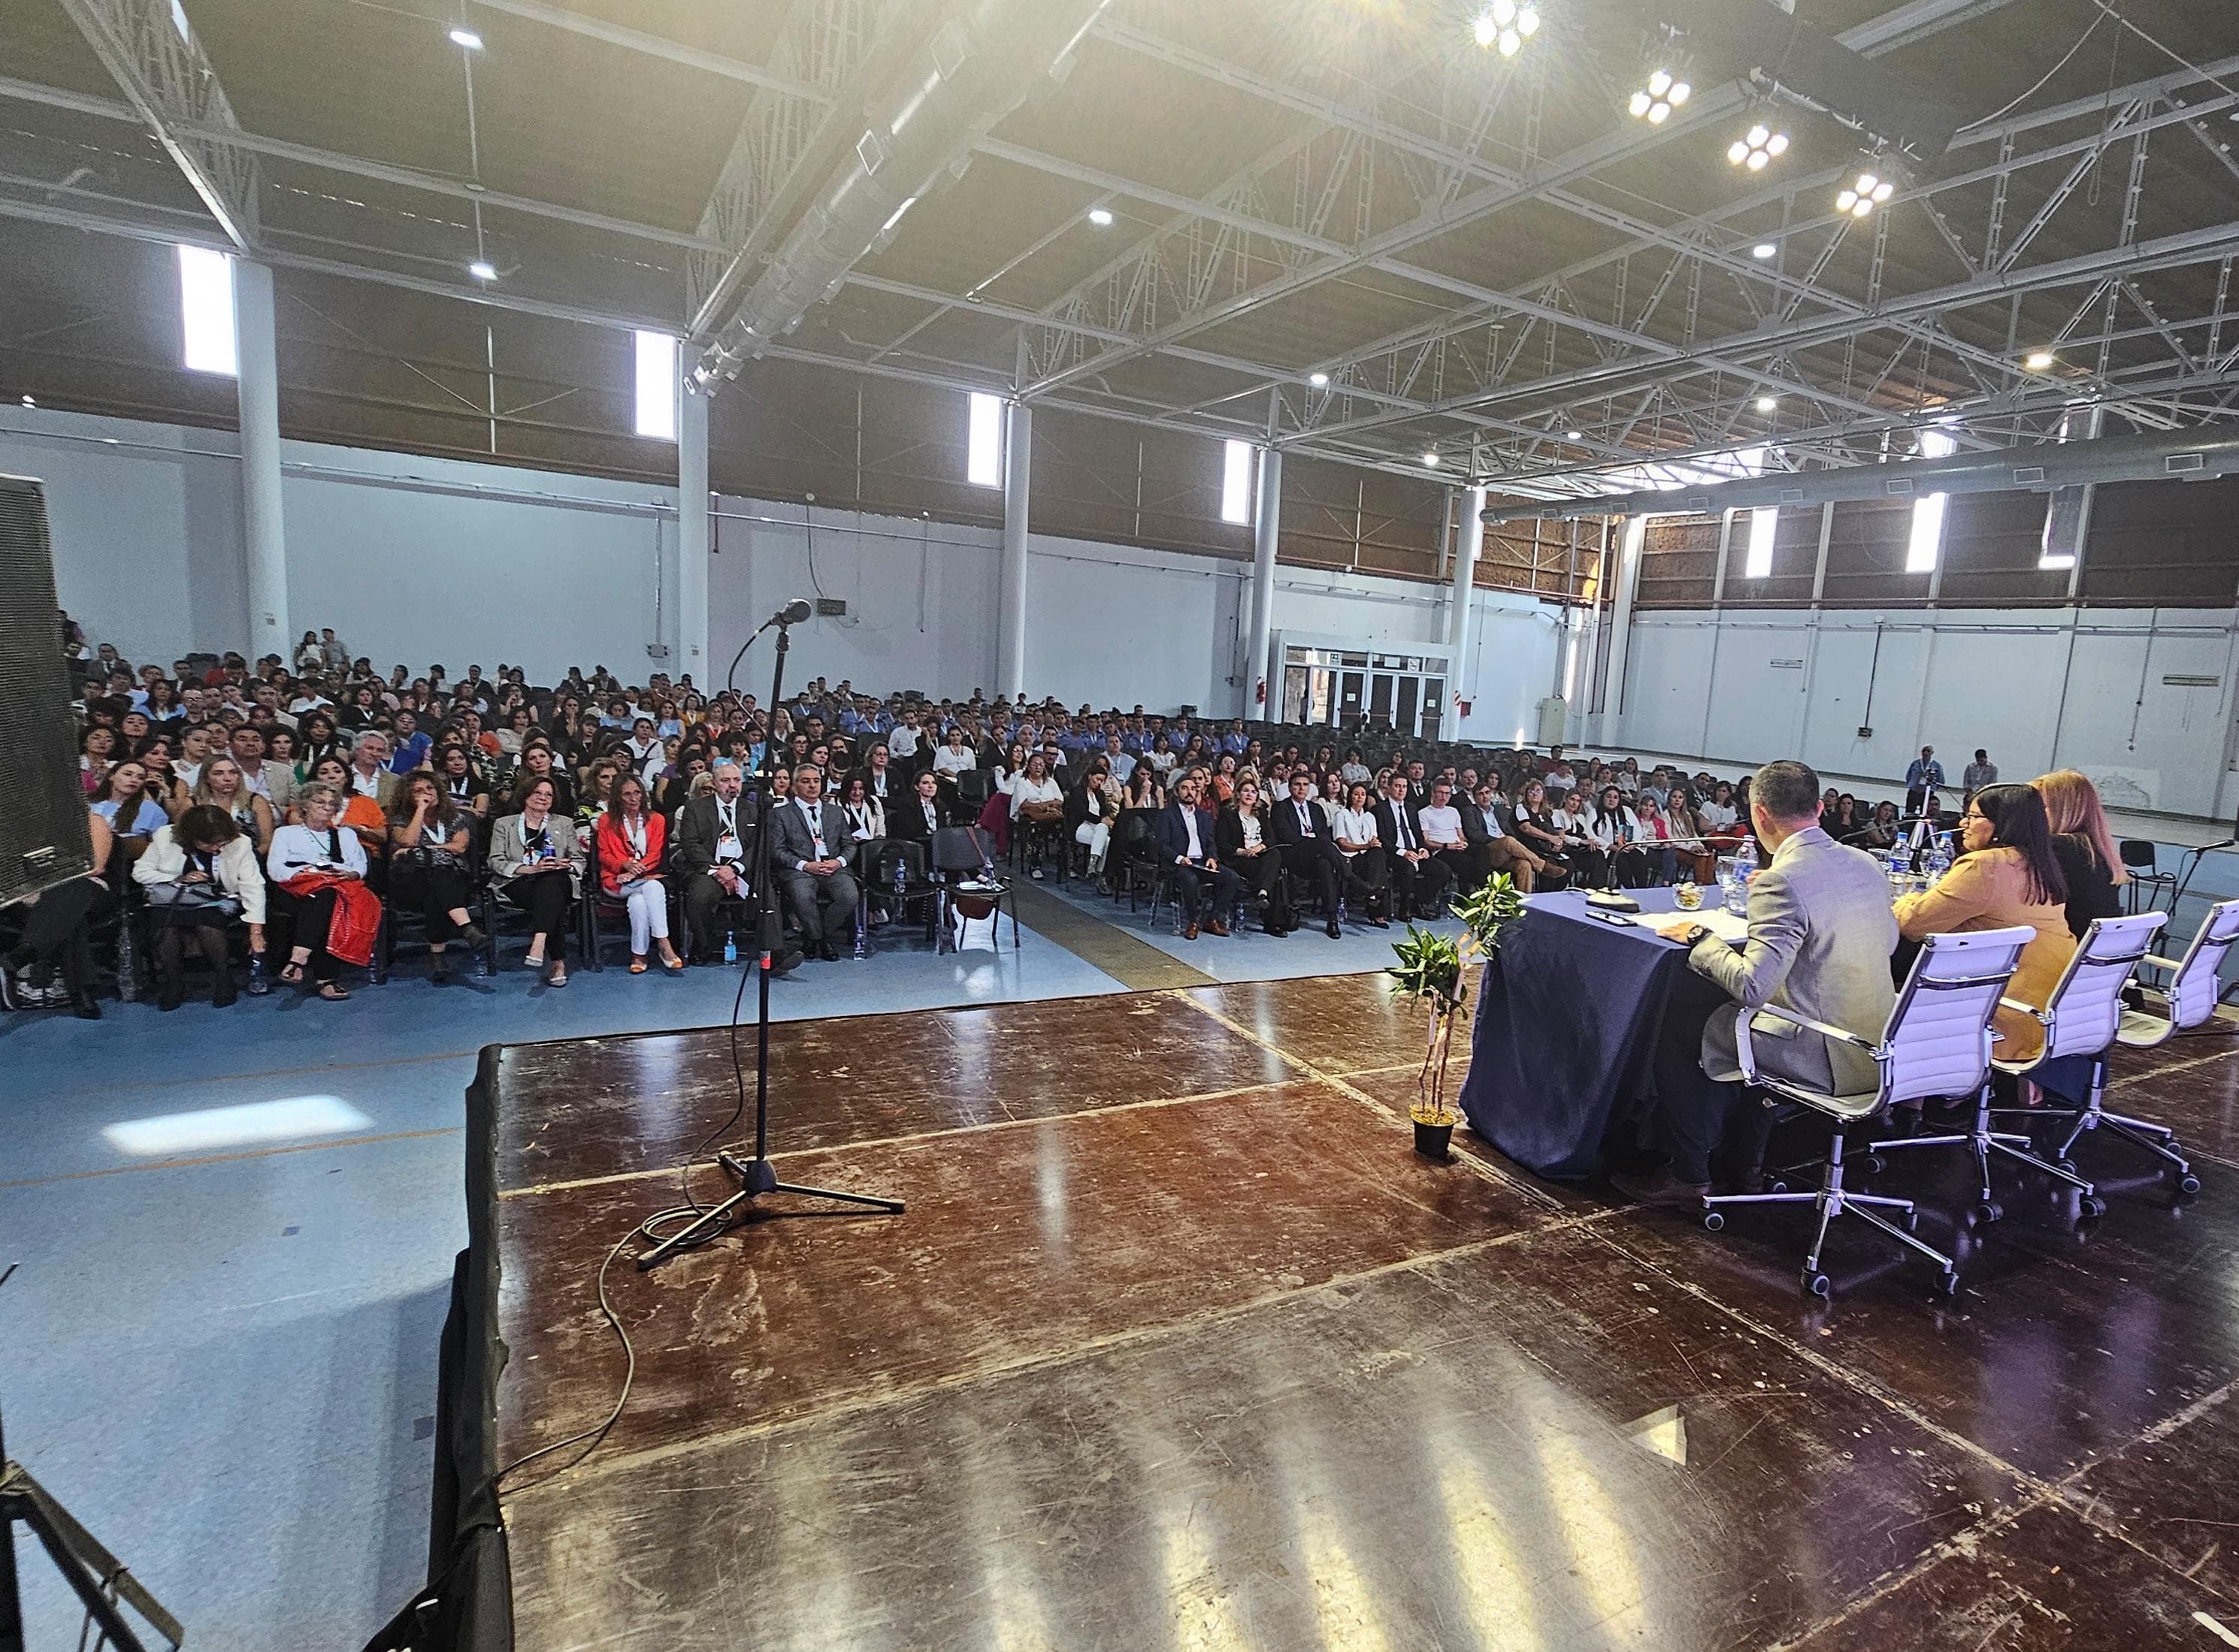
(2197, 455)
(978, 61)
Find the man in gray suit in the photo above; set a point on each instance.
(1820, 936)
(808, 840)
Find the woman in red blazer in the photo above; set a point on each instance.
(631, 840)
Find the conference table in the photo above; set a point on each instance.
(1580, 1023)
(1583, 1022)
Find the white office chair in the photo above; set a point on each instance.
(2190, 998)
(1937, 1043)
(2080, 1017)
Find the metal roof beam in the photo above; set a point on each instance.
(166, 76)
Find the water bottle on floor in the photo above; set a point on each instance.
(730, 946)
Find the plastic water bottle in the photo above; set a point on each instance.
(1745, 862)
(1938, 860)
(730, 946)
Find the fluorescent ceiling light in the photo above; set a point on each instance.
(1764, 249)
(656, 385)
(983, 459)
(1767, 403)
(1100, 216)
(1431, 460)
(206, 312)
(1235, 481)
(1574, 436)
(2038, 360)
(1317, 380)
(482, 269)
(215, 1127)
(468, 38)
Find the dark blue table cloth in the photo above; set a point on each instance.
(1571, 1030)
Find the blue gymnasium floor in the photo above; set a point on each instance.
(221, 1355)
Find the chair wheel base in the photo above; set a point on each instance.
(1713, 1220)
(1911, 1221)
(1873, 1164)
(1816, 1284)
(1777, 1186)
(1947, 1282)
(2090, 1208)
(2188, 1182)
(1989, 1211)
(2066, 1166)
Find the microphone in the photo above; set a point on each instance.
(793, 613)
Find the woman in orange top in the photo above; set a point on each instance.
(2007, 877)
(632, 839)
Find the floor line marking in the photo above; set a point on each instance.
(990, 1125)
(856, 1405)
(1484, 1168)
(234, 1158)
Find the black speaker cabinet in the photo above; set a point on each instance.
(42, 833)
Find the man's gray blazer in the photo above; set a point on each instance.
(1820, 936)
(790, 843)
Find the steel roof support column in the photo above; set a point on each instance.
(1628, 585)
(1266, 530)
(1458, 605)
(692, 533)
(1011, 607)
(260, 518)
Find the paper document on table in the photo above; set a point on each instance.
(1727, 926)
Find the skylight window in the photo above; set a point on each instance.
(657, 386)
(1764, 522)
(1926, 543)
(1236, 481)
(983, 464)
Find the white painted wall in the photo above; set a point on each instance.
(420, 560)
(2040, 689)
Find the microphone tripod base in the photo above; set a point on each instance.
(757, 1178)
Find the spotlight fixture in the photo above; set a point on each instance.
(482, 269)
(1764, 250)
(468, 38)
(1574, 436)
(1430, 459)
(2038, 360)
(1664, 91)
(1319, 380)
(1504, 25)
(1757, 147)
(1767, 403)
(1100, 216)
(1867, 191)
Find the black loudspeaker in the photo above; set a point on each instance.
(43, 840)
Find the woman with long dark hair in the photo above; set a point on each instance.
(2008, 877)
(632, 840)
(428, 841)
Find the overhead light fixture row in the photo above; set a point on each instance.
(1868, 191)
(1757, 147)
(468, 38)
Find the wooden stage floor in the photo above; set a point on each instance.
(1178, 1346)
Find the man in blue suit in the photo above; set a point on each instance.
(1298, 829)
(1185, 840)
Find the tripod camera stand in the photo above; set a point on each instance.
(95, 1576)
(757, 1175)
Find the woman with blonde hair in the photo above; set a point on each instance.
(220, 786)
(2083, 845)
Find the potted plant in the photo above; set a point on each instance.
(1433, 969)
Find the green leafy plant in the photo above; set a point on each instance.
(1434, 970)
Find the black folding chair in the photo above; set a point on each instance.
(963, 858)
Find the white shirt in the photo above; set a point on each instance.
(297, 847)
(1351, 827)
(1024, 791)
(1442, 828)
(367, 784)
(902, 740)
(255, 781)
(1251, 825)
(728, 852)
(953, 760)
(1189, 825)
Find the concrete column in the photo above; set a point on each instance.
(692, 535)
(1011, 607)
(1628, 584)
(259, 384)
(1260, 689)
(1458, 607)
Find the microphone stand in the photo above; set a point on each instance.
(757, 1175)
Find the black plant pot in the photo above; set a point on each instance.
(1432, 1141)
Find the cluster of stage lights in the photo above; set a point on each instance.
(1664, 92)
(1504, 25)
(1757, 147)
(1869, 190)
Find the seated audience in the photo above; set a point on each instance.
(809, 844)
(317, 871)
(198, 875)
(1305, 835)
(1240, 838)
(537, 859)
(123, 803)
(632, 839)
(1186, 835)
(430, 869)
(1037, 812)
(2089, 863)
(1353, 830)
(1419, 878)
(220, 786)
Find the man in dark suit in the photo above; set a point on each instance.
(808, 838)
(1489, 830)
(711, 854)
(1298, 829)
(1418, 877)
(1186, 839)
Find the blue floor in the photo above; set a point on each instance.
(221, 1354)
